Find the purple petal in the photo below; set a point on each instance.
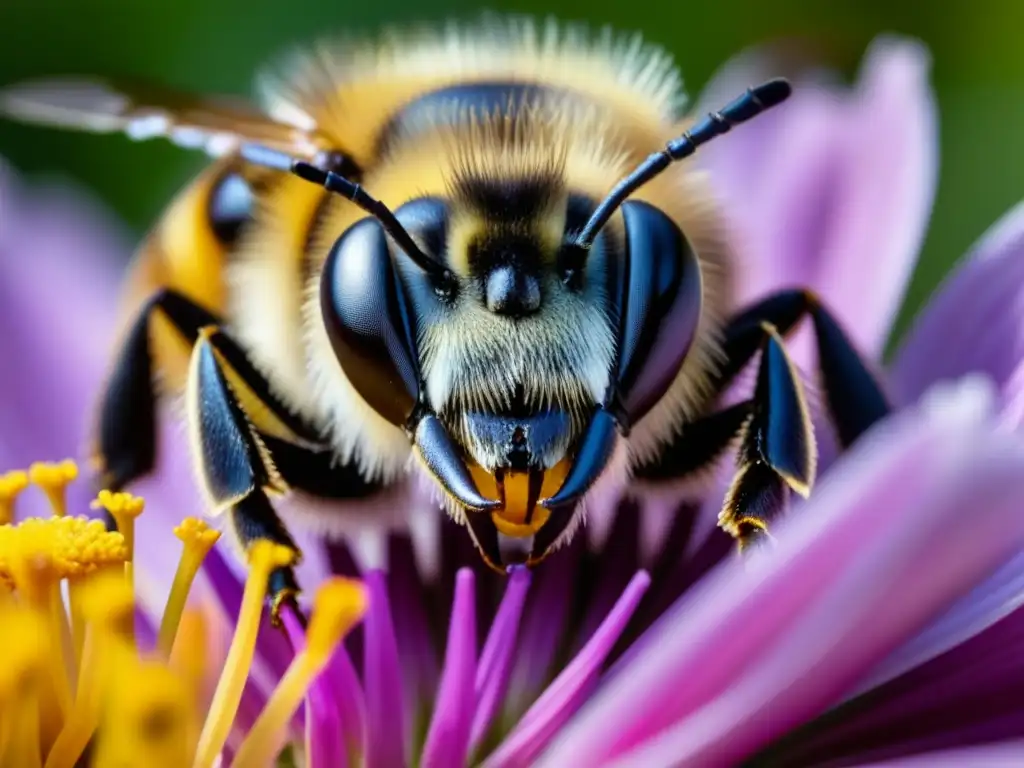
(420, 667)
(492, 673)
(619, 563)
(891, 167)
(60, 255)
(967, 696)
(385, 746)
(835, 190)
(997, 597)
(341, 679)
(543, 623)
(145, 631)
(913, 517)
(975, 322)
(739, 164)
(569, 690)
(324, 742)
(448, 738)
(1005, 755)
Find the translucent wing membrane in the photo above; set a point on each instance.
(215, 125)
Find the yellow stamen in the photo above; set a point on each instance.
(264, 557)
(109, 603)
(38, 585)
(339, 605)
(77, 619)
(26, 645)
(54, 479)
(108, 608)
(74, 546)
(198, 538)
(23, 745)
(148, 719)
(61, 627)
(124, 508)
(77, 546)
(189, 654)
(11, 486)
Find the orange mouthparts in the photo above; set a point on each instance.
(518, 491)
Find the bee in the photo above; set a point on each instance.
(477, 258)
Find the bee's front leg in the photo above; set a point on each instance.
(247, 444)
(854, 396)
(234, 464)
(777, 446)
(777, 454)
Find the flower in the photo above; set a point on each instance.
(78, 682)
(883, 624)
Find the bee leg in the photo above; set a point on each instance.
(246, 440)
(234, 464)
(126, 440)
(855, 398)
(127, 429)
(777, 449)
(702, 442)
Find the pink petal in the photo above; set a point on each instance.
(997, 597)
(492, 673)
(409, 608)
(966, 696)
(975, 322)
(341, 680)
(544, 619)
(834, 190)
(759, 648)
(891, 167)
(59, 258)
(448, 736)
(1006, 755)
(382, 680)
(569, 690)
(324, 737)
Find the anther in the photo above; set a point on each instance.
(11, 485)
(124, 508)
(53, 479)
(197, 539)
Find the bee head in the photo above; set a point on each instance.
(516, 363)
(516, 330)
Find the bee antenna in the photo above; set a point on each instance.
(335, 182)
(752, 103)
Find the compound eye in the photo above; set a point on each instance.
(368, 322)
(426, 221)
(230, 207)
(660, 307)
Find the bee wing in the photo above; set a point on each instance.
(215, 125)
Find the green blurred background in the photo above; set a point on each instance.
(215, 45)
